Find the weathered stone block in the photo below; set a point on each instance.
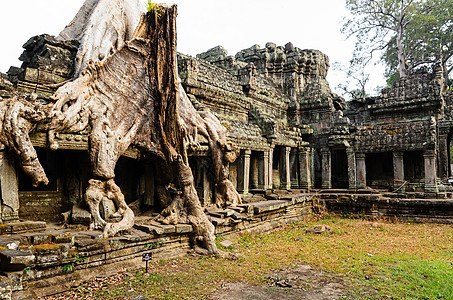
(80, 215)
(62, 238)
(9, 244)
(150, 229)
(15, 260)
(38, 238)
(107, 208)
(15, 279)
(184, 228)
(5, 288)
(49, 249)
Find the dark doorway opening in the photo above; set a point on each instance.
(379, 170)
(339, 169)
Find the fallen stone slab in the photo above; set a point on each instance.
(155, 230)
(5, 288)
(15, 260)
(184, 228)
(271, 205)
(9, 244)
(226, 243)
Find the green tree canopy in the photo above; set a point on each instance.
(409, 32)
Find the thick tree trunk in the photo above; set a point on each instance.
(402, 69)
(102, 27)
(132, 97)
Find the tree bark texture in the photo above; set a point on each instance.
(132, 96)
(17, 119)
(102, 27)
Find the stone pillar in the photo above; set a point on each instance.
(264, 170)
(244, 172)
(398, 169)
(294, 168)
(304, 168)
(285, 175)
(326, 168)
(9, 188)
(430, 171)
(361, 170)
(147, 185)
(312, 165)
(444, 162)
(270, 166)
(352, 168)
(254, 172)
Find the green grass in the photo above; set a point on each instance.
(372, 260)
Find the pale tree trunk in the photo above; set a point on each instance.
(102, 27)
(400, 51)
(132, 97)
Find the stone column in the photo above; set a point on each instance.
(352, 168)
(444, 162)
(148, 184)
(398, 169)
(326, 168)
(264, 169)
(244, 172)
(361, 170)
(312, 165)
(270, 166)
(294, 168)
(285, 169)
(254, 172)
(304, 168)
(9, 188)
(430, 171)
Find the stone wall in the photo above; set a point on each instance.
(52, 261)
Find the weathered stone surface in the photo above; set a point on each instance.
(5, 288)
(226, 243)
(183, 228)
(14, 260)
(15, 278)
(9, 244)
(38, 238)
(80, 216)
(24, 295)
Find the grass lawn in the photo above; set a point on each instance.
(370, 260)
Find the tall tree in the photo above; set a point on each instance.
(375, 22)
(428, 38)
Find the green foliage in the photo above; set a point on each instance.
(408, 34)
(428, 38)
(154, 7)
(68, 268)
(153, 245)
(392, 79)
(368, 259)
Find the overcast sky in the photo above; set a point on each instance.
(203, 24)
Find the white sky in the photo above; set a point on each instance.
(203, 24)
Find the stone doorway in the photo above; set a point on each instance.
(339, 169)
(379, 170)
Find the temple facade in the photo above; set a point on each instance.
(291, 130)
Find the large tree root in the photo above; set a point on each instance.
(16, 120)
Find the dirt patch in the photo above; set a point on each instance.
(302, 282)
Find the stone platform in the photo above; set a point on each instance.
(52, 259)
(49, 260)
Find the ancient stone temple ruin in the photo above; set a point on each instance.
(140, 148)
